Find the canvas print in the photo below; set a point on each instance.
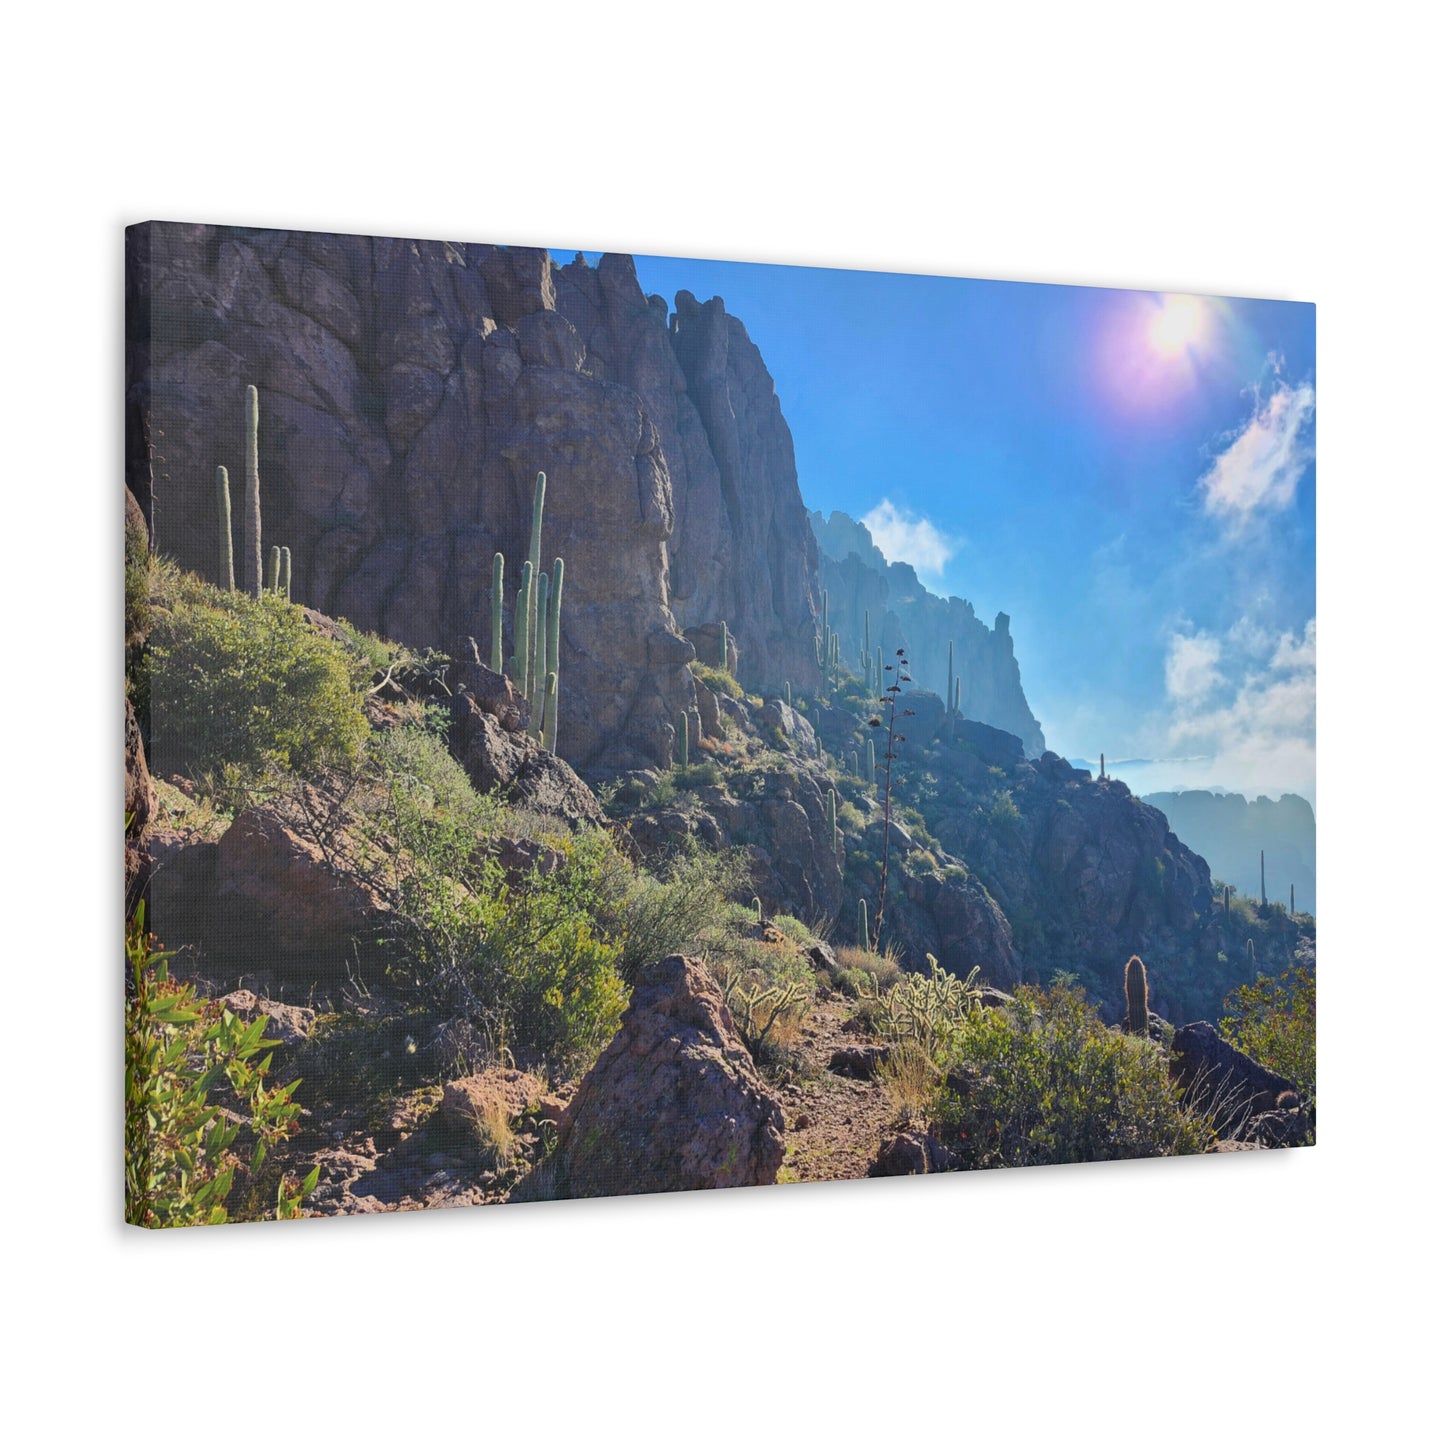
(604, 724)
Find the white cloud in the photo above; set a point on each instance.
(1263, 463)
(1191, 667)
(903, 536)
(1255, 723)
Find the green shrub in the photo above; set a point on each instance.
(1043, 1081)
(696, 775)
(1004, 812)
(244, 683)
(676, 909)
(179, 1162)
(717, 679)
(1273, 1021)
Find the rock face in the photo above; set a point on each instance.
(1085, 873)
(902, 612)
(409, 393)
(673, 1103)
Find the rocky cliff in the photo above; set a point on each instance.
(902, 612)
(409, 393)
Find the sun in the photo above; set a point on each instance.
(1178, 323)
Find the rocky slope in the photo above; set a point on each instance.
(409, 393)
(902, 612)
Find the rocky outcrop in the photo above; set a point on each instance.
(411, 390)
(287, 904)
(902, 612)
(673, 1103)
(1224, 1081)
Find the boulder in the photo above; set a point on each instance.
(673, 1103)
(525, 772)
(860, 1062)
(1221, 1078)
(509, 1091)
(286, 905)
(911, 1152)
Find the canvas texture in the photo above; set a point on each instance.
(560, 762)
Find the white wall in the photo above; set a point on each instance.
(1239, 149)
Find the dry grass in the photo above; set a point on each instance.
(911, 1081)
(492, 1130)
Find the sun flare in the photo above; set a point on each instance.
(1178, 323)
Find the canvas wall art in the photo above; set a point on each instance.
(605, 724)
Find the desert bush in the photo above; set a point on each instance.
(696, 775)
(1273, 1021)
(1043, 1081)
(676, 909)
(716, 679)
(180, 1167)
(243, 683)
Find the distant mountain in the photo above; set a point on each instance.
(1230, 832)
(902, 612)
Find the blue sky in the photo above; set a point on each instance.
(1129, 476)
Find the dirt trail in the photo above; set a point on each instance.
(834, 1124)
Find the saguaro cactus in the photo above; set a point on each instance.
(534, 556)
(273, 570)
(499, 567)
(1291, 900)
(723, 647)
(788, 693)
(1262, 899)
(549, 714)
(1136, 995)
(520, 639)
(1102, 773)
(863, 925)
(758, 909)
(227, 568)
(539, 642)
(554, 619)
(251, 518)
(948, 696)
(872, 764)
(285, 586)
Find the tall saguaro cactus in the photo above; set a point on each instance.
(273, 570)
(521, 652)
(227, 561)
(284, 586)
(554, 619)
(1136, 995)
(549, 714)
(251, 517)
(534, 556)
(499, 567)
(541, 584)
(948, 696)
(1262, 899)
(863, 925)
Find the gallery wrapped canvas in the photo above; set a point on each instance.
(561, 761)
